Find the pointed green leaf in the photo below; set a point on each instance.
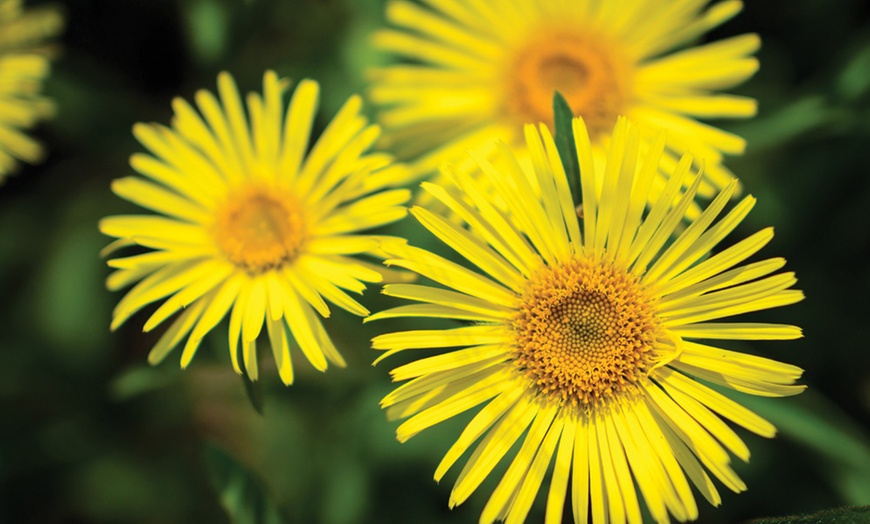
(564, 138)
(852, 515)
(253, 390)
(241, 494)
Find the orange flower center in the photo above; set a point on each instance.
(259, 229)
(585, 332)
(592, 73)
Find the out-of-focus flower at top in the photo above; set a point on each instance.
(24, 64)
(593, 342)
(251, 223)
(473, 72)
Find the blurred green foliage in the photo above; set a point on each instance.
(89, 433)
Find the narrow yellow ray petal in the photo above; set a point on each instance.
(587, 182)
(521, 505)
(563, 191)
(616, 154)
(190, 127)
(240, 308)
(442, 338)
(545, 178)
(424, 21)
(513, 186)
(189, 351)
(739, 331)
(686, 458)
(447, 298)
(255, 310)
(484, 219)
(448, 361)
(342, 244)
(479, 254)
(306, 290)
(482, 421)
(722, 405)
(502, 496)
(639, 198)
(561, 470)
(722, 261)
(649, 432)
(132, 226)
(459, 402)
(298, 316)
(280, 349)
(667, 227)
(297, 127)
(730, 278)
(275, 295)
(658, 211)
(687, 237)
(751, 386)
(491, 450)
(420, 48)
(735, 362)
(155, 198)
(696, 437)
(219, 302)
(449, 274)
(212, 275)
(651, 481)
(249, 353)
(601, 500)
(408, 394)
(434, 311)
(326, 346)
(728, 297)
(177, 331)
(702, 246)
(710, 422)
(158, 285)
(232, 103)
(580, 480)
(216, 120)
(342, 128)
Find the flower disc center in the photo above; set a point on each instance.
(590, 72)
(585, 331)
(260, 229)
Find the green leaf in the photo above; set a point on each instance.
(207, 27)
(562, 117)
(849, 515)
(854, 80)
(241, 494)
(818, 424)
(253, 390)
(140, 380)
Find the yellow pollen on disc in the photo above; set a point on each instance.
(259, 229)
(585, 332)
(592, 73)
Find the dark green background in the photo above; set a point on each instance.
(89, 433)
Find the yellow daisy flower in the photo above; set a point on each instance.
(251, 225)
(24, 65)
(477, 71)
(594, 338)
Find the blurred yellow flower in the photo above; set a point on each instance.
(589, 336)
(252, 225)
(478, 71)
(24, 65)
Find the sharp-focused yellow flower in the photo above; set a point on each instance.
(593, 338)
(252, 225)
(478, 71)
(24, 64)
